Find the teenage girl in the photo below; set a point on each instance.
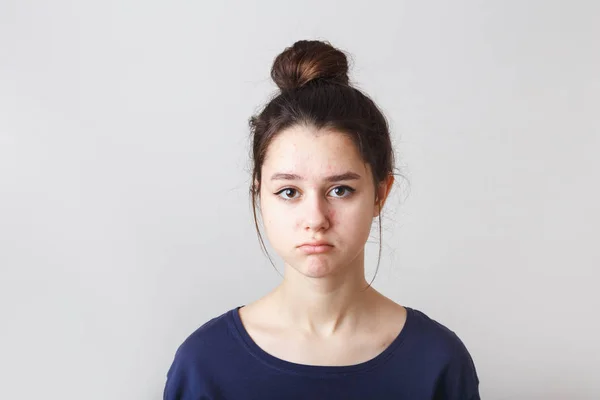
(322, 170)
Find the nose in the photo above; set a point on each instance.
(316, 213)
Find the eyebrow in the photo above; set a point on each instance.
(346, 176)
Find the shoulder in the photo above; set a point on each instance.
(438, 337)
(191, 370)
(206, 335)
(206, 340)
(442, 347)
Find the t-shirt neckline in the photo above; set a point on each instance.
(315, 370)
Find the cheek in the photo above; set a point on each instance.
(276, 220)
(357, 220)
(333, 216)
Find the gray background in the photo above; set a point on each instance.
(124, 217)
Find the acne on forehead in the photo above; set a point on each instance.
(296, 147)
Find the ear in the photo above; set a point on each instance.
(255, 187)
(383, 190)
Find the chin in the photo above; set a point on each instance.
(317, 267)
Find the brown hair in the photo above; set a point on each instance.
(314, 91)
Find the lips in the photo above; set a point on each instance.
(315, 247)
(317, 243)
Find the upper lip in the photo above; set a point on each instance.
(316, 243)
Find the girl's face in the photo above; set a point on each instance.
(316, 189)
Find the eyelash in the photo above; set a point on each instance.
(346, 188)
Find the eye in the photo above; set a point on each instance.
(342, 191)
(287, 193)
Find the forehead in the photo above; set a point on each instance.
(314, 152)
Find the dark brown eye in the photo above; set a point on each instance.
(342, 191)
(287, 194)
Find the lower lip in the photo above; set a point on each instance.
(307, 249)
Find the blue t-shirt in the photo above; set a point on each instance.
(220, 361)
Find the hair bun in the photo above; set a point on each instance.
(309, 60)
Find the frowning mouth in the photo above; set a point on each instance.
(315, 247)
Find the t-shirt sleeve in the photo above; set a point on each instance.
(184, 378)
(177, 379)
(459, 380)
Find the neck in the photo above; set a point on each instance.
(327, 305)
